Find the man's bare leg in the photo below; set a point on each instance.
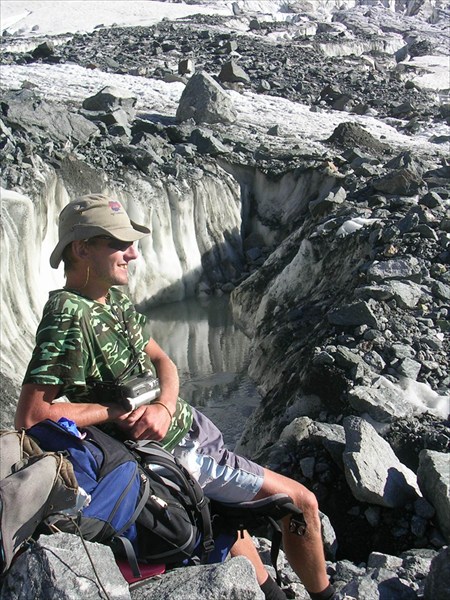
(244, 546)
(304, 553)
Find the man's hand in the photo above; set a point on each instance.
(148, 422)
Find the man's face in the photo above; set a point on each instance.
(109, 260)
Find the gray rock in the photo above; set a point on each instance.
(110, 98)
(39, 117)
(445, 224)
(401, 182)
(387, 561)
(44, 50)
(325, 204)
(372, 515)
(352, 135)
(332, 438)
(142, 158)
(402, 351)
(116, 116)
(382, 404)
(377, 292)
(205, 101)
(335, 98)
(233, 73)
(236, 9)
(264, 86)
(372, 470)
(379, 584)
(415, 565)
(235, 578)
(400, 268)
(426, 232)
(346, 571)
(59, 566)
(431, 200)
(433, 477)
(358, 313)
(409, 368)
(254, 25)
(307, 465)
(423, 508)
(363, 587)
(186, 65)
(406, 294)
(437, 584)
(207, 143)
(401, 54)
(330, 544)
(441, 290)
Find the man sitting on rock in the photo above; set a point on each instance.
(90, 332)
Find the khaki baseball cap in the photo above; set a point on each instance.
(92, 215)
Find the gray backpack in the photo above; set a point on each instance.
(33, 486)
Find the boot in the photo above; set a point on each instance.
(44, 486)
(15, 448)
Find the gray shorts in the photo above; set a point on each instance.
(223, 475)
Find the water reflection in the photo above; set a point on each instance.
(212, 356)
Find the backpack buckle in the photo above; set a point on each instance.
(297, 525)
(208, 545)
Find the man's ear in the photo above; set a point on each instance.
(80, 249)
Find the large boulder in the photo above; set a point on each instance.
(41, 118)
(437, 584)
(235, 578)
(434, 480)
(111, 98)
(60, 566)
(204, 101)
(372, 470)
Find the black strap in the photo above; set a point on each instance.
(269, 509)
(208, 537)
(163, 458)
(275, 548)
(139, 508)
(125, 542)
(130, 554)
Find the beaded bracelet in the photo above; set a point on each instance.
(162, 404)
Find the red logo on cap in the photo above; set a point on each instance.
(115, 206)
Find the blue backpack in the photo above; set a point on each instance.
(151, 510)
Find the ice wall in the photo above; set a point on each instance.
(195, 244)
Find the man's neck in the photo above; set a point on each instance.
(90, 289)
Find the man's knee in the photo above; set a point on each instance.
(305, 499)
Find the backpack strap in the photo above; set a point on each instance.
(246, 515)
(139, 507)
(163, 458)
(128, 549)
(126, 544)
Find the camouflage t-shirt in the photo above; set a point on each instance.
(80, 341)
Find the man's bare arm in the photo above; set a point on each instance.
(167, 374)
(36, 403)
